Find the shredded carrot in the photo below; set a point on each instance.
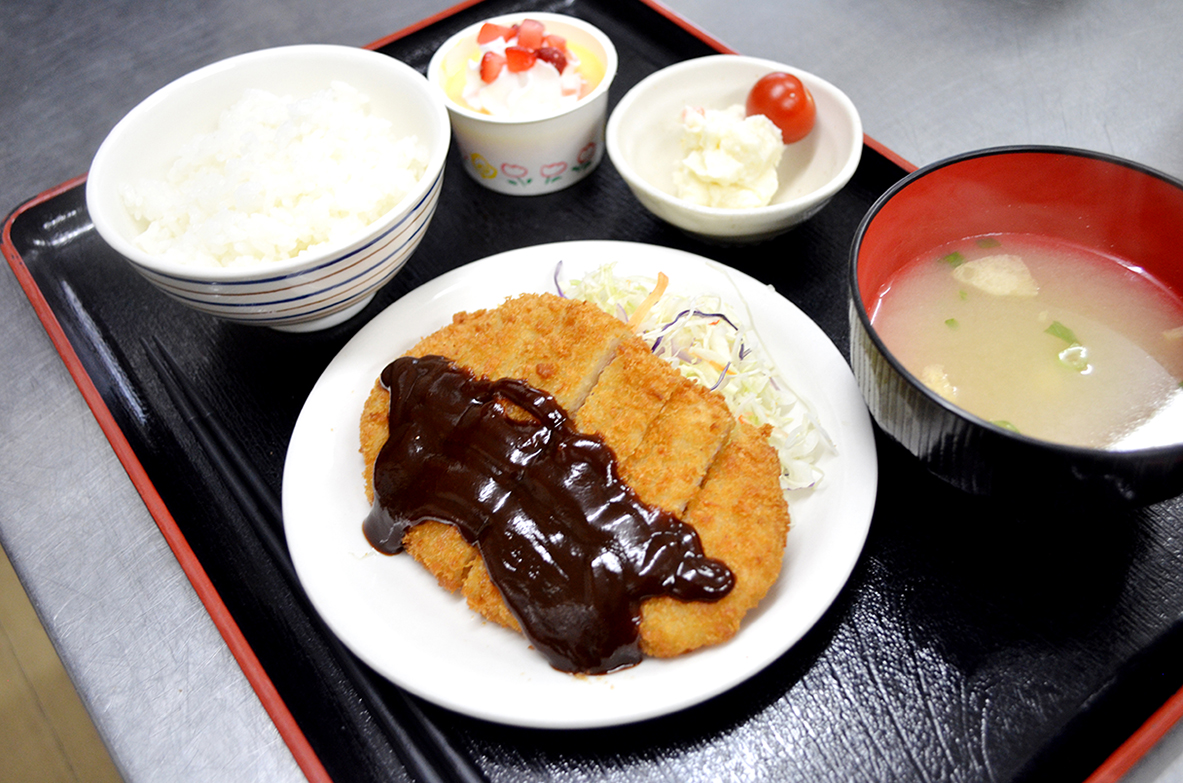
(647, 305)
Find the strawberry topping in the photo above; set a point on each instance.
(491, 65)
(519, 58)
(554, 57)
(490, 31)
(532, 43)
(530, 32)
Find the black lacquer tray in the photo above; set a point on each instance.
(971, 642)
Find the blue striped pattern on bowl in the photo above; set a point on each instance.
(343, 283)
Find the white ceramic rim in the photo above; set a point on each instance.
(813, 82)
(610, 65)
(278, 269)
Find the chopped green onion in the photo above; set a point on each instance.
(963, 294)
(951, 323)
(988, 242)
(953, 259)
(1006, 425)
(1058, 329)
(1076, 356)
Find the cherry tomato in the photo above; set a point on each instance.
(782, 98)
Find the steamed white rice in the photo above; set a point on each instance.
(279, 177)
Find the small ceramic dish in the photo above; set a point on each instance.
(529, 157)
(331, 282)
(644, 143)
(1069, 198)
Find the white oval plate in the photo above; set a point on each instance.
(393, 615)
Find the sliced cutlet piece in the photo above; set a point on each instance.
(554, 344)
(741, 518)
(559, 346)
(630, 394)
(668, 467)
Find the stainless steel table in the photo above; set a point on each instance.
(931, 78)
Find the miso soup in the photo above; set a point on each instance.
(1047, 339)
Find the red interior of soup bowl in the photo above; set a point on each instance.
(1107, 205)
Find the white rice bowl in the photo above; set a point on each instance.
(290, 211)
(278, 178)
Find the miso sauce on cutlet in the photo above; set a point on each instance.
(571, 547)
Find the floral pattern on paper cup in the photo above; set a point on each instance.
(553, 171)
(586, 156)
(504, 166)
(482, 166)
(515, 174)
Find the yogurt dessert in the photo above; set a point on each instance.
(527, 96)
(520, 71)
(523, 72)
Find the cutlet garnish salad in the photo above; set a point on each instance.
(707, 341)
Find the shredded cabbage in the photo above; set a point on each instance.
(708, 342)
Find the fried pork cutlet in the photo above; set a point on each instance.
(675, 442)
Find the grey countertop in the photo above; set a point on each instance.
(931, 78)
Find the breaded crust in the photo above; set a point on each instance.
(676, 444)
(557, 345)
(679, 446)
(739, 515)
(629, 395)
